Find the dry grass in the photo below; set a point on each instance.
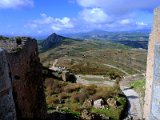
(71, 96)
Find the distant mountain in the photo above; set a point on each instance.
(52, 41)
(137, 35)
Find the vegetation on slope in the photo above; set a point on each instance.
(69, 97)
(139, 86)
(89, 57)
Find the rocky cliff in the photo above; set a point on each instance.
(25, 73)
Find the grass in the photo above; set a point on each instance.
(94, 79)
(69, 97)
(139, 86)
(113, 113)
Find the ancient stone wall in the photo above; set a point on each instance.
(27, 81)
(153, 40)
(7, 106)
(155, 99)
(25, 85)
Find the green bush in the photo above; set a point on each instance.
(18, 40)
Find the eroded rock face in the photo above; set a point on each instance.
(7, 106)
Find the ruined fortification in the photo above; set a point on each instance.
(21, 81)
(151, 98)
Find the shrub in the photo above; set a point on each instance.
(63, 95)
(52, 100)
(90, 90)
(18, 41)
(79, 97)
(72, 87)
(75, 107)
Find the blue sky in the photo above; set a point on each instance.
(43, 17)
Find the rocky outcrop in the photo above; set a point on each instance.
(7, 106)
(25, 72)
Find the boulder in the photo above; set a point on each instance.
(86, 115)
(100, 103)
(87, 104)
(112, 102)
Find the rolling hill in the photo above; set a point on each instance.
(89, 56)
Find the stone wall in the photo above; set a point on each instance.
(153, 40)
(26, 79)
(26, 72)
(155, 100)
(7, 106)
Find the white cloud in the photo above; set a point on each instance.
(141, 24)
(120, 6)
(125, 21)
(16, 3)
(94, 15)
(115, 14)
(91, 3)
(51, 23)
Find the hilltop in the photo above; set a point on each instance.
(54, 40)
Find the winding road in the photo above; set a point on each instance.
(111, 66)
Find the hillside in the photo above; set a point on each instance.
(135, 39)
(103, 63)
(89, 57)
(55, 40)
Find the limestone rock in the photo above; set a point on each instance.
(86, 115)
(87, 104)
(112, 102)
(100, 103)
(65, 75)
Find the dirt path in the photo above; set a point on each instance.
(81, 79)
(108, 65)
(134, 110)
(135, 107)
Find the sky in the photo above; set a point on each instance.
(42, 17)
